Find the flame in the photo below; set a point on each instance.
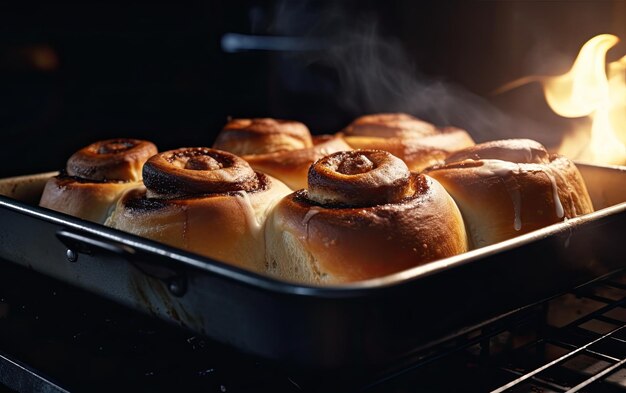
(594, 90)
(587, 90)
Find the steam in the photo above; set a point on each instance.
(373, 73)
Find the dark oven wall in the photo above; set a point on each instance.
(172, 73)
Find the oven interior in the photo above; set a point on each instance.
(75, 73)
(57, 338)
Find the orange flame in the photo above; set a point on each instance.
(587, 90)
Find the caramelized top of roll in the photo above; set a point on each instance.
(509, 187)
(364, 215)
(389, 125)
(264, 135)
(114, 159)
(521, 151)
(197, 170)
(359, 178)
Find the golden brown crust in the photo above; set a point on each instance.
(511, 187)
(359, 178)
(205, 201)
(264, 135)
(416, 142)
(317, 244)
(512, 150)
(96, 176)
(291, 166)
(364, 216)
(388, 125)
(87, 200)
(197, 170)
(113, 159)
(25, 188)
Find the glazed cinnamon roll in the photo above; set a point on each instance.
(416, 142)
(202, 200)
(96, 176)
(510, 187)
(281, 148)
(364, 215)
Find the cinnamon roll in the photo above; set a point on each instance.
(96, 176)
(281, 148)
(509, 187)
(202, 200)
(416, 142)
(364, 215)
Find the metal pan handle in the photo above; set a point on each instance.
(78, 243)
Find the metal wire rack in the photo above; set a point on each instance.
(587, 354)
(573, 343)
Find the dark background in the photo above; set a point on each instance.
(71, 74)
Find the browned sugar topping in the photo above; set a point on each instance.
(115, 146)
(203, 163)
(137, 202)
(197, 170)
(267, 125)
(354, 165)
(65, 179)
(198, 159)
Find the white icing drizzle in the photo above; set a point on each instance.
(503, 169)
(555, 194)
(309, 214)
(307, 217)
(248, 211)
(498, 167)
(529, 154)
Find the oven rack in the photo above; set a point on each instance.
(573, 343)
(592, 348)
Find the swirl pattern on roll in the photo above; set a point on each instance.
(114, 159)
(388, 125)
(359, 178)
(197, 170)
(364, 216)
(263, 135)
(202, 200)
(416, 142)
(281, 148)
(96, 176)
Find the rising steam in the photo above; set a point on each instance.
(375, 74)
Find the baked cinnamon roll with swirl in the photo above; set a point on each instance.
(364, 215)
(96, 176)
(281, 148)
(510, 187)
(202, 200)
(416, 142)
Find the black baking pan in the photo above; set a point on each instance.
(367, 323)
